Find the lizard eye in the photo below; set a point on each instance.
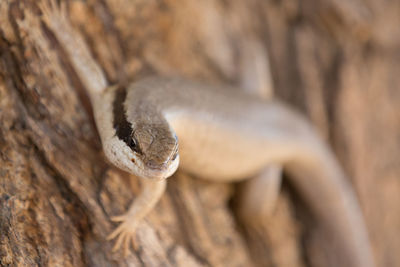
(133, 144)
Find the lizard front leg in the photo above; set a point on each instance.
(140, 207)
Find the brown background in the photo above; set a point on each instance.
(336, 61)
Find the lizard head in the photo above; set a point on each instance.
(156, 148)
(143, 142)
(150, 151)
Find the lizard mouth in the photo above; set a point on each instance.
(165, 170)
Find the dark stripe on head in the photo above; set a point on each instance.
(123, 128)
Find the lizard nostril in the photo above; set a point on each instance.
(154, 165)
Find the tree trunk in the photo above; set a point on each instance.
(337, 61)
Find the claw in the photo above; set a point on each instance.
(134, 243)
(63, 8)
(119, 218)
(118, 242)
(116, 232)
(126, 247)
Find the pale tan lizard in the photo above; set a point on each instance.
(157, 124)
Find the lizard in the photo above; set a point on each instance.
(156, 124)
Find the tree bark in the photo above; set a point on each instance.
(336, 61)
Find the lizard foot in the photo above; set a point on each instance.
(53, 14)
(143, 204)
(124, 233)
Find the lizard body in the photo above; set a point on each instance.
(155, 124)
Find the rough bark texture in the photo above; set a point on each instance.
(337, 61)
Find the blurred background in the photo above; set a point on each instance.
(336, 61)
